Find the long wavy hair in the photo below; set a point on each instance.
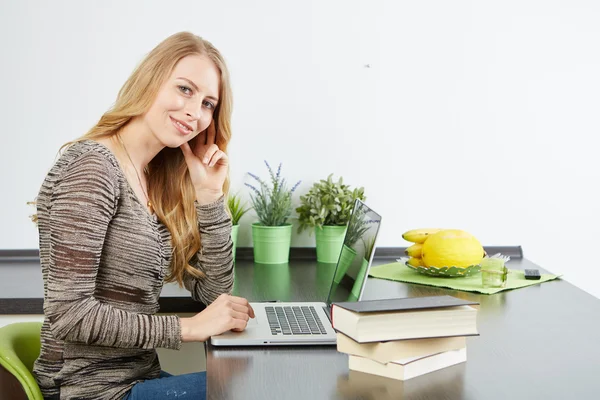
(169, 185)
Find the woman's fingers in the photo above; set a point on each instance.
(207, 154)
(234, 301)
(206, 138)
(241, 308)
(236, 321)
(218, 156)
(238, 325)
(239, 315)
(213, 155)
(242, 302)
(211, 134)
(206, 148)
(187, 152)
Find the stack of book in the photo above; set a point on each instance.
(406, 337)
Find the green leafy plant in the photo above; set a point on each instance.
(272, 203)
(236, 208)
(327, 203)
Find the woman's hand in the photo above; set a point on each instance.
(208, 165)
(224, 314)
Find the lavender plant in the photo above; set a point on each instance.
(272, 203)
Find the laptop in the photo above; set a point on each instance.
(309, 323)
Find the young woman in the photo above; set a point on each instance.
(137, 201)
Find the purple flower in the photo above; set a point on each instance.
(269, 168)
(253, 188)
(262, 184)
(295, 186)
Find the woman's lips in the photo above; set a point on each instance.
(182, 127)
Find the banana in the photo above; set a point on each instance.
(415, 262)
(414, 250)
(419, 235)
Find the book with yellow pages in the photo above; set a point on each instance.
(385, 352)
(409, 367)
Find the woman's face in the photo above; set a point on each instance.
(186, 102)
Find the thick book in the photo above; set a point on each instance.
(385, 352)
(405, 318)
(408, 368)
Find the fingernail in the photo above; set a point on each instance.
(206, 161)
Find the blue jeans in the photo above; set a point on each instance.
(167, 386)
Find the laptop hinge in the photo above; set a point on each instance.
(327, 311)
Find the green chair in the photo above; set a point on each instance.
(19, 348)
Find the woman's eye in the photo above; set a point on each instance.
(185, 90)
(209, 105)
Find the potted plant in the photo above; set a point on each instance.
(326, 208)
(272, 234)
(237, 211)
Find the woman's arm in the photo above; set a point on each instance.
(81, 207)
(215, 257)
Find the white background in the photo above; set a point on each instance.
(477, 115)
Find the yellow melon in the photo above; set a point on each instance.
(451, 247)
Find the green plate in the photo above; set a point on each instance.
(446, 272)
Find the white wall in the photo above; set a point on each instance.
(478, 115)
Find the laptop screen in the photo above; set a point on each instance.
(356, 255)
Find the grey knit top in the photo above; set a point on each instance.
(104, 258)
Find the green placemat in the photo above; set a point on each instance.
(400, 272)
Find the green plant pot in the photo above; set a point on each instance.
(346, 257)
(360, 278)
(234, 236)
(329, 243)
(271, 243)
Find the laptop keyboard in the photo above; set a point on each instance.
(294, 320)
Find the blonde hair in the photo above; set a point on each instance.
(169, 185)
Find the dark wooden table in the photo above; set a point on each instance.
(539, 342)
